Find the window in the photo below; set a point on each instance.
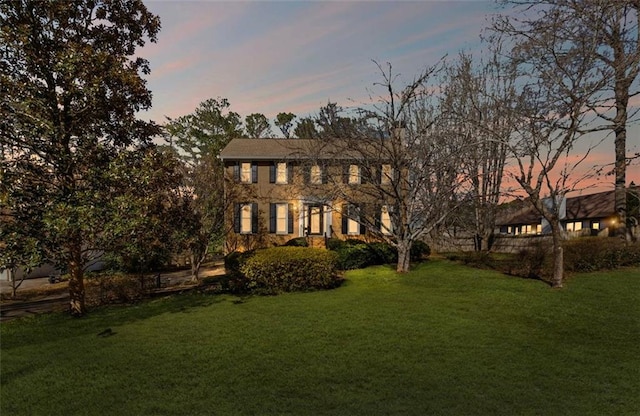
(351, 221)
(539, 229)
(354, 174)
(574, 226)
(246, 217)
(315, 175)
(385, 221)
(595, 225)
(315, 219)
(386, 175)
(281, 218)
(532, 229)
(281, 172)
(245, 172)
(278, 173)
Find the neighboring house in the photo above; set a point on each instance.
(278, 192)
(592, 214)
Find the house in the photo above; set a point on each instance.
(280, 189)
(592, 214)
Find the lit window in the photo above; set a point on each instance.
(281, 218)
(245, 219)
(245, 172)
(315, 219)
(539, 229)
(574, 226)
(385, 221)
(354, 174)
(386, 175)
(316, 175)
(595, 225)
(281, 172)
(353, 228)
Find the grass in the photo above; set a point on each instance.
(444, 339)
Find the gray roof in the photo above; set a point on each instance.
(269, 149)
(290, 149)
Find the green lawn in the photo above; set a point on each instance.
(443, 339)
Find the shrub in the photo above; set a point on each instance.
(588, 254)
(385, 253)
(297, 242)
(356, 257)
(419, 251)
(285, 269)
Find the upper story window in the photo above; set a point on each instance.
(354, 175)
(279, 173)
(315, 175)
(386, 175)
(246, 172)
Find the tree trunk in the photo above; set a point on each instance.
(76, 287)
(558, 256)
(620, 189)
(195, 269)
(404, 257)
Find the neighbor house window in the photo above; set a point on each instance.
(539, 229)
(595, 225)
(386, 175)
(385, 221)
(354, 174)
(574, 226)
(532, 229)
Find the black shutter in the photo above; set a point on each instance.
(323, 174)
(272, 218)
(254, 173)
(254, 218)
(289, 173)
(378, 216)
(361, 217)
(345, 174)
(307, 174)
(345, 218)
(272, 172)
(236, 218)
(290, 219)
(236, 172)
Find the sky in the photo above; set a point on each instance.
(294, 56)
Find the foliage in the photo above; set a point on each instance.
(287, 269)
(420, 250)
(71, 87)
(358, 254)
(257, 126)
(596, 253)
(297, 242)
(306, 129)
(442, 339)
(199, 138)
(284, 121)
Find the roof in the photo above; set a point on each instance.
(600, 205)
(283, 149)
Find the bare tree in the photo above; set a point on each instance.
(610, 27)
(400, 171)
(476, 99)
(555, 82)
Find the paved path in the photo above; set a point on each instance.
(10, 309)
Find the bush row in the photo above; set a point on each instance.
(286, 269)
(596, 253)
(357, 254)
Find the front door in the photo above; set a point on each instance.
(314, 218)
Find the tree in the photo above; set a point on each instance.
(199, 138)
(408, 163)
(611, 28)
(284, 121)
(556, 81)
(156, 210)
(477, 100)
(306, 129)
(71, 88)
(257, 126)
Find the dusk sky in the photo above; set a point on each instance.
(294, 56)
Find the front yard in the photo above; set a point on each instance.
(443, 339)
